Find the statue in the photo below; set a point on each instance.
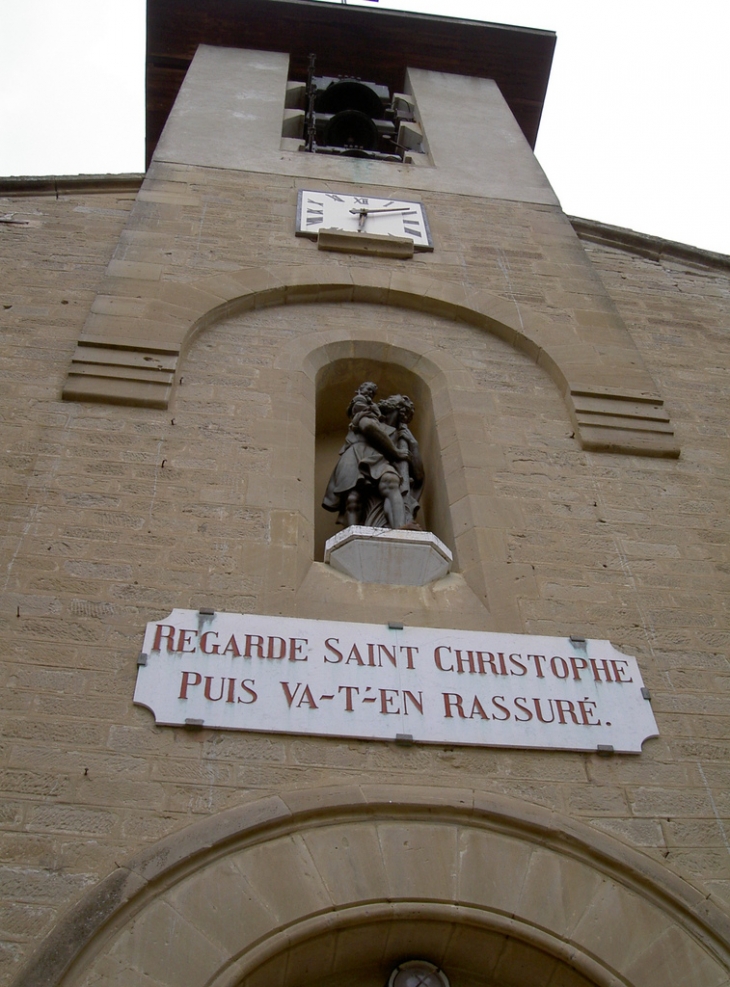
(379, 476)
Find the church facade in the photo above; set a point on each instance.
(538, 793)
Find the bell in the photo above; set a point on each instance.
(348, 94)
(351, 129)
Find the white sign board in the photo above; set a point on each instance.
(287, 675)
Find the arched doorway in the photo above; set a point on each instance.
(335, 886)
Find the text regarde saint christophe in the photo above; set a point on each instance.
(301, 691)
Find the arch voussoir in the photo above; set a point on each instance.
(272, 875)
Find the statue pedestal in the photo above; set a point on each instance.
(382, 555)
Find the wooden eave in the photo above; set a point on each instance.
(364, 42)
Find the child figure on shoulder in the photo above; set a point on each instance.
(365, 417)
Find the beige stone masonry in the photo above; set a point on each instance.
(241, 894)
(206, 242)
(364, 243)
(111, 515)
(624, 427)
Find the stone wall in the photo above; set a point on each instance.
(114, 515)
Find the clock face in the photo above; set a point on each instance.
(362, 213)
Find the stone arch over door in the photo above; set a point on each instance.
(131, 345)
(334, 886)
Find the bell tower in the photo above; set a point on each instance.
(346, 296)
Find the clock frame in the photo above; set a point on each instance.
(362, 213)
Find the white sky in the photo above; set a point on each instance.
(634, 132)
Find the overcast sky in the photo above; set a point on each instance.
(634, 132)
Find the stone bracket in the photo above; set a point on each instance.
(115, 374)
(374, 244)
(608, 420)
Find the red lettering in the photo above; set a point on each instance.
(437, 658)
(189, 678)
(477, 710)
(586, 713)
(605, 668)
(331, 647)
(483, 663)
(388, 654)
(563, 666)
(290, 696)
(418, 703)
(166, 631)
(254, 641)
(578, 665)
(565, 706)
(516, 659)
(410, 650)
(305, 697)
(371, 655)
(387, 700)
(232, 646)
(354, 656)
(502, 667)
(279, 647)
(208, 687)
(348, 690)
(538, 667)
(204, 643)
(460, 662)
(520, 704)
(538, 710)
(619, 669)
(231, 688)
(295, 648)
(453, 699)
(501, 708)
(249, 691)
(183, 639)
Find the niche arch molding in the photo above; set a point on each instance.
(132, 343)
(254, 890)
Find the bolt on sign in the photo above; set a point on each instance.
(232, 671)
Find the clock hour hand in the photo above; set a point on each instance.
(363, 212)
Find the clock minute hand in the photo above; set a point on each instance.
(366, 212)
(363, 212)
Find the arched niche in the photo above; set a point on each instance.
(336, 383)
(333, 885)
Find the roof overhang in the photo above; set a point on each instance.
(363, 42)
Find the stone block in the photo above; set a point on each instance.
(420, 860)
(382, 555)
(369, 244)
(350, 863)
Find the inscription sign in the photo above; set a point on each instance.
(378, 682)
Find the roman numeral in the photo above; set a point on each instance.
(362, 202)
(412, 231)
(334, 196)
(315, 216)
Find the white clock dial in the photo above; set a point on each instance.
(362, 213)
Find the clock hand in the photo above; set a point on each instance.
(363, 212)
(366, 212)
